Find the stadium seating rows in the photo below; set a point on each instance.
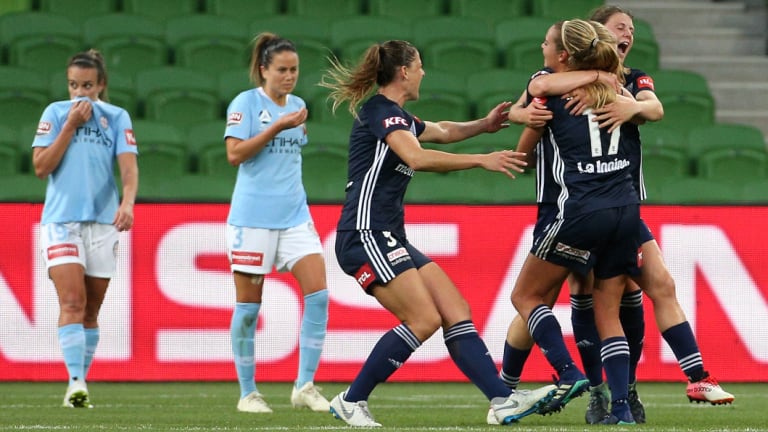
(200, 48)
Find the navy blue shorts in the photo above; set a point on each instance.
(376, 257)
(644, 235)
(604, 241)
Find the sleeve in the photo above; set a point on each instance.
(386, 119)
(239, 115)
(47, 129)
(643, 82)
(528, 97)
(126, 140)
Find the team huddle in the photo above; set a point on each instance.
(581, 115)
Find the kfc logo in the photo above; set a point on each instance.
(392, 121)
(645, 82)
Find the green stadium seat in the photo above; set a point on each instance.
(686, 97)
(178, 96)
(755, 191)
(505, 139)
(12, 6)
(243, 10)
(644, 55)
(22, 188)
(429, 30)
(232, 82)
(23, 95)
(212, 162)
(161, 10)
(408, 10)
(40, 41)
(129, 42)
(655, 134)
(440, 81)
(25, 135)
(10, 159)
(185, 188)
(163, 162)
(208, 43)
(696, 190)
(704, 139)
(324, 174)
(487, 88)
(733, 165)
(440, 106)
(154, 135)
(559, 9)
(487, 187)
(202, 136)
(643, 30)
(325, 8)
(79, 10)
(524, 32)
(297, 28)
(320, 134)
(661, 164)
(460, 57)
(8, 136)
(491, 11)
(352, 36)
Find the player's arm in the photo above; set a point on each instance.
(240, 150)
(444, 132)
(561, 83)
(46, 159)
(647, 107)
(533, 114)
(129, 179)
(527, 144)
(408, 148)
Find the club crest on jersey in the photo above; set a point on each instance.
(104, 122)
(43, 128)
(265, 116)
(392, 121)
(234, 118)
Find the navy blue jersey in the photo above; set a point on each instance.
(590, 167)
(377, 177)
(636, 81)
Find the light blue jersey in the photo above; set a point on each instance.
(269, 192)
(82, 188)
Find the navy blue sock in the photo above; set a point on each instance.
(512, 365)
(615, 354)
(545, 330)
(587, 339)
(633, 323)
(390, 352)
(471, 355)
(683, 343)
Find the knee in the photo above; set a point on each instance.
(661, 288)
(425, 326)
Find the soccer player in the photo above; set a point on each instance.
(269, 224)
(636, 104)
(75, 148)
(372, 246)
(588, 216)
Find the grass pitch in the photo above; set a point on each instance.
(398, 406)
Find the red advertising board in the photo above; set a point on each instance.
(167, 312)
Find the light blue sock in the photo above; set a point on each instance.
(312, 336)
(91, 341)
(72, 343)
(243, 329)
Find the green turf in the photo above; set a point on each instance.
(401, 407)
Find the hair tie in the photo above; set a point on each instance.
(594, 42)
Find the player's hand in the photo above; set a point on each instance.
(616, 113)
(124, 217)
(578, 101)
(294, 119)
(80, 112)
(537, 115)
(504, 161)
(497, 117)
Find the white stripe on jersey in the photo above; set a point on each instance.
(558, 172)
(369, 185)
(379, 261)
(546, 243)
